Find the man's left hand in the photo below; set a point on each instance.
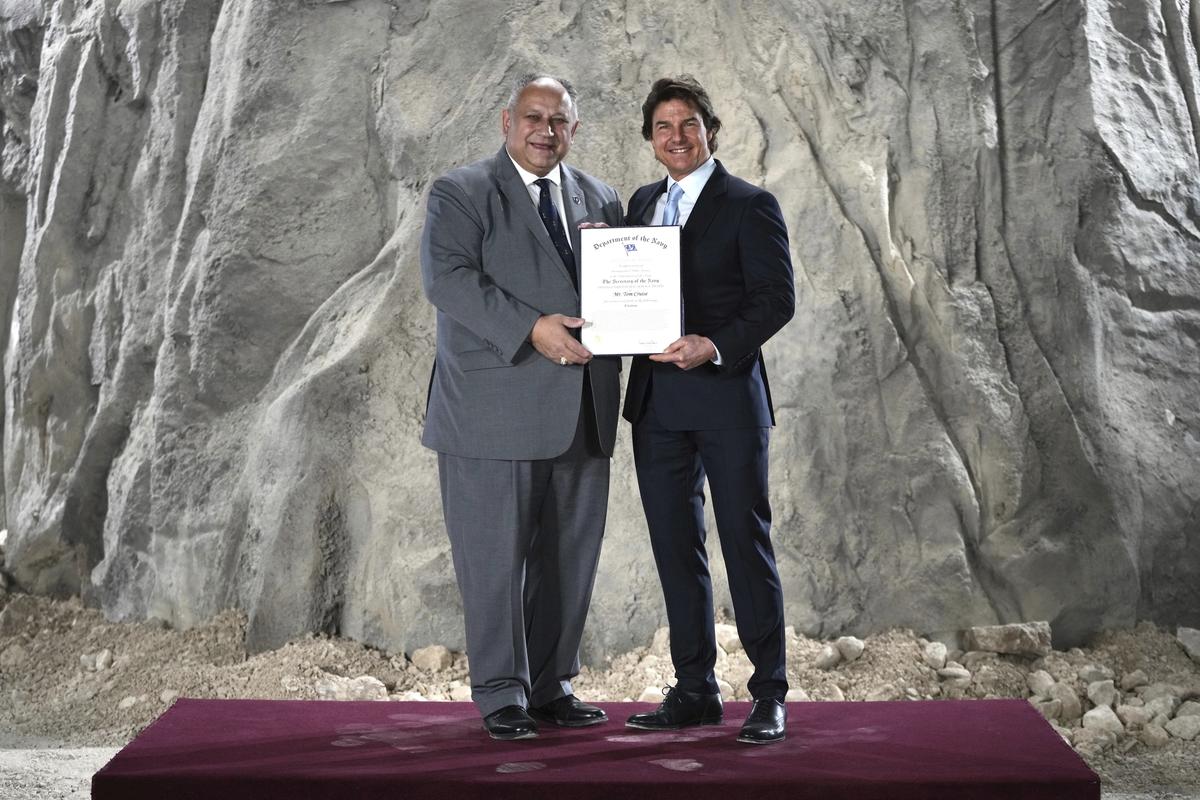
(687, 352)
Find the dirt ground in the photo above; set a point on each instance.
(65, 709)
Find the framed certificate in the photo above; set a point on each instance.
(629, 289)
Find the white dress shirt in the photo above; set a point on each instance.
(692, 184)
(535, 191)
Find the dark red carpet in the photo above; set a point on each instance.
(293, 750)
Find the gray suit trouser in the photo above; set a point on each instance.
(525, 537)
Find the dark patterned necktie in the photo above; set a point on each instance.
(553, 223)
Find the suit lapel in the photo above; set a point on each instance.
(707, 205)
(642, 212)
(514, 190)
(576, 207)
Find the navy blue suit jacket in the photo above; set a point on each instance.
(738, 291)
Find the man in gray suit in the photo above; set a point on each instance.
(522, 417)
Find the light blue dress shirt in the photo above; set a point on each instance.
(692, 184)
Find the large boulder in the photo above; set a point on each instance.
(209, 223)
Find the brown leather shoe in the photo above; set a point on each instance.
(679, 710)
(569, 712)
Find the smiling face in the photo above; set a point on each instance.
(681, 142)
(538, 130)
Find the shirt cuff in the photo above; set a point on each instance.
(716, 359)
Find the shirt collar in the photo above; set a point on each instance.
(527, 177)
(693, 183)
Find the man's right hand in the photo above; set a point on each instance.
(551, 336)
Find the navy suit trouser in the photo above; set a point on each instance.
(671, 469)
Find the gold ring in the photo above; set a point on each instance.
(562, 360)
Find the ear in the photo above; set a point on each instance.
(504, 121)
(574, 127)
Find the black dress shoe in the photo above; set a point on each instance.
(569, 712)
(510, 722)
(767, 723)
(679, 710)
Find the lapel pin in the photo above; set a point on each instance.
(576, 199)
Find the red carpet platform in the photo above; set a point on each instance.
(296, 750)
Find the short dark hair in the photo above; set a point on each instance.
(688, 89)
(530, 77)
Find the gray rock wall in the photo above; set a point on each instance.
(217, 348)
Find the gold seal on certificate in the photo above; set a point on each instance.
(629, 289)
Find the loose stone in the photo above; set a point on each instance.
(828, 658)
(1093, 741)
(850, 647)
(1090, 673)
(1132, 680)
(433, 658)
(1189, 709)
(1072, 708)
(1105, 719)
(1050, 709)
(955, 676)
(1157, 690)
(1189, 640)
(1186, 728)
(934, 655)
(1133, 715)
(1102, 693)
(1039, 683)
(1025, 638)
(1164, 705)
(364, 687)
(1155, 736)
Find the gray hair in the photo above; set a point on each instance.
(530, 77)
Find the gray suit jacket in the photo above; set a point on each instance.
(489, 267)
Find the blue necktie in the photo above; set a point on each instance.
(553, 223)
(671, 212)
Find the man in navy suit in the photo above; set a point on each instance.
(702, 407)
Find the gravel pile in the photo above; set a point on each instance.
(1129, 703)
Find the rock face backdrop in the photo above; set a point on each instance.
(217, 349)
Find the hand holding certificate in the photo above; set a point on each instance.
(629, 289)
